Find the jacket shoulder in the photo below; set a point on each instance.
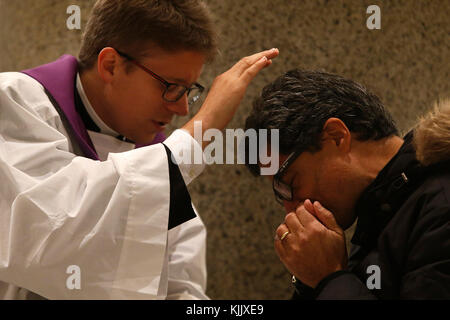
(435, 190)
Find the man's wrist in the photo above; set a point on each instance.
(322, 283)
(304, 291)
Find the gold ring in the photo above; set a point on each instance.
(284, 235)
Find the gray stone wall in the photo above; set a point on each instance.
(406, 63)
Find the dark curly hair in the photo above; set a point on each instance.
(299, 103)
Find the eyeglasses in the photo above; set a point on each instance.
(173, 91)
(283, 191)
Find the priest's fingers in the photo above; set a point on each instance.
(248, 62)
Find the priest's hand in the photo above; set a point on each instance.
(227, 91)
(315, 245)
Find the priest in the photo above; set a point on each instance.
(87, 177)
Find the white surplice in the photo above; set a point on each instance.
(109, 218)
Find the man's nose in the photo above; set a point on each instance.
(290, 206)
(180, 107)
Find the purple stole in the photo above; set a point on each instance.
(58, 78)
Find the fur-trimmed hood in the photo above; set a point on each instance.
(432, 135)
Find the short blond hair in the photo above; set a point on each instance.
(133, 25)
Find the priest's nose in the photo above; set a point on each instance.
(180, 107)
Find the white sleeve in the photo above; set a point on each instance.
(183, 148)
(58, 210)
(187, 261)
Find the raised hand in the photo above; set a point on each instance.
(227, 91)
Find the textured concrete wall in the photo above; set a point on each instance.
(406, 63)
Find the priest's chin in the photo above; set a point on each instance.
(145, 139)
(141, 137)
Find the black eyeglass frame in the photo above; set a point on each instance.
(168, 84)
(278, 186)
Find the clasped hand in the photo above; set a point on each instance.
(315, 245)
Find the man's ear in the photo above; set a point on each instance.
(336, 131)
(107, 63)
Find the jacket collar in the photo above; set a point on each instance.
(385, 195)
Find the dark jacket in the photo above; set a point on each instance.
(403, 228)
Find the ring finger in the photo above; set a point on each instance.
(282, 232)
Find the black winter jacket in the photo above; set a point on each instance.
(404, 229)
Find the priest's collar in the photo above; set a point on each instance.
(103, 127)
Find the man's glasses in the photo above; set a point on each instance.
(173, 91)
(283, 191)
